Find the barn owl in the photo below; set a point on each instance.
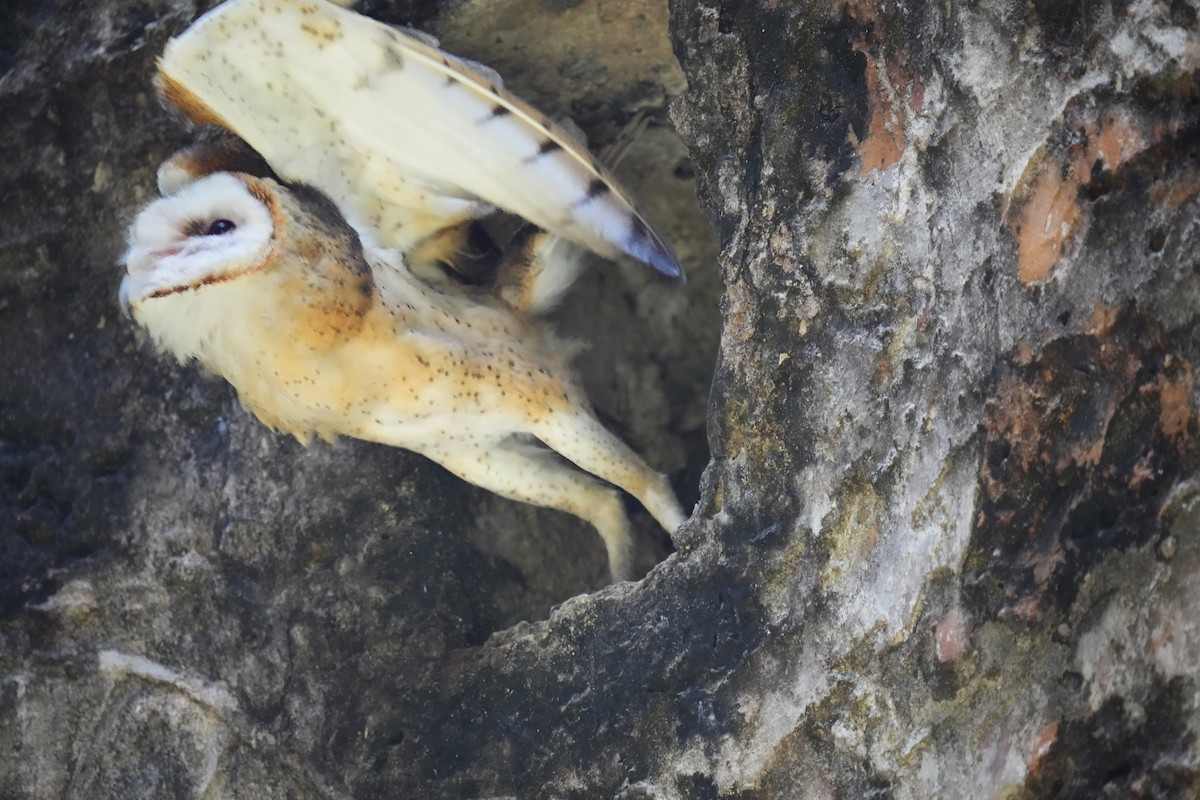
(267, 285)
(303, 296)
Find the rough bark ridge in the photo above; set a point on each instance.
(952, 423)
(946, 545)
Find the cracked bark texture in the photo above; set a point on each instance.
(946, 544)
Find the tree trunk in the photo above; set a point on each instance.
(946, 544)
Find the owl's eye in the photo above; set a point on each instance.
(218, 227)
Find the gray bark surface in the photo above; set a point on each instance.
(945, 544)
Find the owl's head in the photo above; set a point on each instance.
(215, 229)
(231, 251)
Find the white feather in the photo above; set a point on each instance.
(404, 137)
(560, 262)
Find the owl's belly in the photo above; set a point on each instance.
(415, 392)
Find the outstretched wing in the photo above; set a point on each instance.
(407, 139)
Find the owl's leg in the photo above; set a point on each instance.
(534, 477)
(585, 442)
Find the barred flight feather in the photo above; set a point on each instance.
(405, 138)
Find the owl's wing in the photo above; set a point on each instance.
(407, 140)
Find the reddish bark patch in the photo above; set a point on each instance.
(1041, 747)
(1045, 224)
(1175, 398)
(1046, 211)
(950, 636)
(1082, 438)
(894, 92)
(884, 143)
(1099, 146)
(1017, 416)
(1136, 748)
(1102, 321)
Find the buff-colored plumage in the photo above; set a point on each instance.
(268, 286)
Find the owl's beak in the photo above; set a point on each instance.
(166, 252)
(138, 260)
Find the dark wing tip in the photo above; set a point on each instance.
(664, 262)
(649, 248)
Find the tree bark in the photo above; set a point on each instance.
(946, 543)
